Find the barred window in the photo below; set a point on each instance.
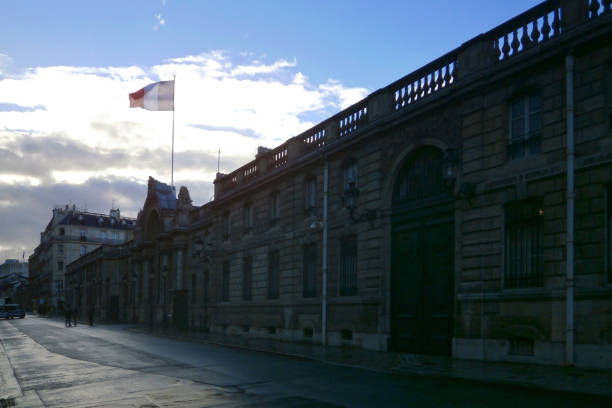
(310, 271)
(273, 275)
(225, 281)
(523, 245)
(247, 278)
(348, 266)
(525, 126)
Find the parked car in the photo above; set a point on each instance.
(11, 311)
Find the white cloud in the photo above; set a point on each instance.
(160, 22)
(5, 61)
(74, 125)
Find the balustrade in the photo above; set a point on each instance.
(353, 119)
(599, 7)
(533, 27)
(537, 25)
(425, 81)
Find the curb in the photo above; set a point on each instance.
(526, 386)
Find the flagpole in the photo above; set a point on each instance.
(173, 108)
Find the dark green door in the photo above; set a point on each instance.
(422, 279)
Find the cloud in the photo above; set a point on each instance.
(68, 135)
(160, 22)
(11, 107)
(5, 62)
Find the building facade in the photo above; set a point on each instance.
(70, 234)
(464, 209)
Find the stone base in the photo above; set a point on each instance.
(548, 353)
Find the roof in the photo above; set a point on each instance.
(165, 194)
(96, 220)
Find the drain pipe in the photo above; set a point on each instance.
(569, 279)
(324, 259)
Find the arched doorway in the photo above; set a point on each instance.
(422, 258)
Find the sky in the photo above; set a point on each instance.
(248, 74)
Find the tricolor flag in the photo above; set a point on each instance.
(156, 97)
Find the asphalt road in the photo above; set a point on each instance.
(109, 365)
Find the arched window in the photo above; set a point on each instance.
(421, 177)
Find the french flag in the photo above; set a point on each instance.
(158, 96)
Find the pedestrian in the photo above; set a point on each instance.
(75, 313)
(68, 315)
(90, 314)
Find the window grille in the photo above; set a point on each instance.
(273, 275)
(310, 270)
(525, 126)
(523, 245)
(247, 278)
(348, 266)
(225, 284)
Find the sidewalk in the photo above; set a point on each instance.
(578, 381)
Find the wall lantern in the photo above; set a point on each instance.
(351, 194)
(450, 166)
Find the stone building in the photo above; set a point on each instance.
(464, 209)
(70, 233)
(95, 283)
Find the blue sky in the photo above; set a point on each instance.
(249, 73)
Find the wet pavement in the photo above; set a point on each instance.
(44, 364)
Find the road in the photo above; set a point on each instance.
(55, 366)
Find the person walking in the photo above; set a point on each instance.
(68, 315)
(75, 313)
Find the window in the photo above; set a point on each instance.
(275, 206)
(226, 226)
(62, 231)
(83, 250)
(350, 175)
(311, 193)
(83, 235)
(103, 235)
(348, 266)
(59, 287)
(225, 281)
(115, 235)
(609, 230)
(525, 126)
(247, 278)
(523, 245)
(60, 248)
(248, 217)
(193, 288)
(310, 271)
(60, 266)
(273, 274)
